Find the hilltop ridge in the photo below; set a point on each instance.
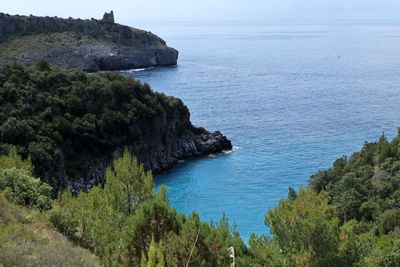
(90, 45)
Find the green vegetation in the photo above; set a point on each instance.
(57, 123)
(18, 184)
(17, 45)
(126, 223)
(27, 237)
(349, 215)
(365, 185)
(52, 115)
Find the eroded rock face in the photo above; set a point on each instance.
(91, 45)
(159, 142)
(158, 151)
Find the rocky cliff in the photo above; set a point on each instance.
(90, 45)
(72, 124)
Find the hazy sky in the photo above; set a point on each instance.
(174, 10)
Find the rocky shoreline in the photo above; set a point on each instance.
(90, 45)
(198, 143)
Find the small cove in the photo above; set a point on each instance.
(292, 97)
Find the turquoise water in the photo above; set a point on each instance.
(292, 97)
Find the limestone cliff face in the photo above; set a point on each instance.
(91, 45)
(158, 149)
(161, 142)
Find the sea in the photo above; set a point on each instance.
(292, 96)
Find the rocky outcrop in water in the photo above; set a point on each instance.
(91, 45)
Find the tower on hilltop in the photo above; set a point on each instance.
(108, 17)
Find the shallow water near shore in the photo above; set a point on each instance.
(291, 96)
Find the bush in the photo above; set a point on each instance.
(16, 131)
(64, 222)
(385, 252)
(14, 160)
(25, 190)
(307, 229)
(368, 209)
(390, 221)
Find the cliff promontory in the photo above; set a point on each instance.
(91, 45)
(72, 124)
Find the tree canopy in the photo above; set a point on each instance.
(67, 121)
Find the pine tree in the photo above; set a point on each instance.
(155, 255)
(128, 184)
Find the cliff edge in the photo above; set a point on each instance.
(90, 45)
(73, 124)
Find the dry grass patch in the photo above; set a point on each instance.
(27, 238)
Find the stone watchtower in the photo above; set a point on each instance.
(108, 17)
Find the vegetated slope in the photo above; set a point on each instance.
(28, 238)
(365, 185)
(125, 223)
(349, 215)
(90, 45)
(72, 124)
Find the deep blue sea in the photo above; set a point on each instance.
(292, 96)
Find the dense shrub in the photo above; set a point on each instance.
(18, 184)
(390, 221)
(366, 184)
(13, 160)
(25, 190)
(307, 229)
(385, 252)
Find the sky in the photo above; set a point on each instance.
(128, 11)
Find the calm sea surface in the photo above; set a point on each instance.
(292, 97)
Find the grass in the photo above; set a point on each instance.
(27, 238)
(18, 46)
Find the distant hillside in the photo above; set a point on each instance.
(90, 45)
